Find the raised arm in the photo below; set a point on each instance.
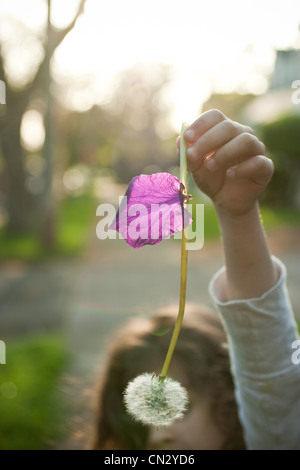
(229, 164)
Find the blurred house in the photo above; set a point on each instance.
(287, 69)
(278, 100)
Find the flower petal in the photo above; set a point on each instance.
(151, 210)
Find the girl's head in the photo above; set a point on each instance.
(200, 363)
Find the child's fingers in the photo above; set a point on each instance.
(258, 168)
(203, 124)
(241, 147)
(215, 138)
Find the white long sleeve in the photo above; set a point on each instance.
(261, 332)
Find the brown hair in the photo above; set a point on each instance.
(141, 347)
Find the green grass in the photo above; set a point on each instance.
(279, 217)
(72, 226)
(272, 218)
(24, 247)
(30, 409)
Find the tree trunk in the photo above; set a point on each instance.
(17, 197)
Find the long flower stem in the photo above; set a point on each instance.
(184, 258)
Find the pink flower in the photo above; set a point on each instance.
(152, 210)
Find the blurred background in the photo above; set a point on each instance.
(92, 94)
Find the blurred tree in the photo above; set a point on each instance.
(144, 138)
(18, 100)
(281, 138)
(130, 134)
(231, 104)
(86, 137)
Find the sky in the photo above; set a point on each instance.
(210, 46)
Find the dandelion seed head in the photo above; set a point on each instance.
(155, 401)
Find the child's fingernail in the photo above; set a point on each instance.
(230, 172)
(189, 134)
(210, 163)
(191, 153)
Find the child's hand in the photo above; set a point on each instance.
(227, 161)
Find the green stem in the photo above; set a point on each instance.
(184, 258)
(183, 161)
